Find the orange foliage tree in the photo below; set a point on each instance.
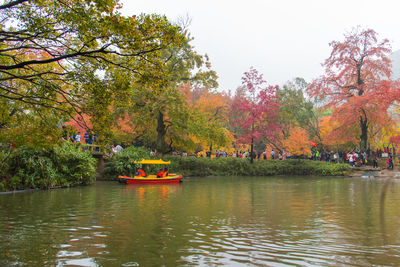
(356, 84)
(211, 113)
(333, 134)
(298, 142)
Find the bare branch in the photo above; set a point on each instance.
(12, 4)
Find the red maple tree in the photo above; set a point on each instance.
(356, 84)
(254, 110)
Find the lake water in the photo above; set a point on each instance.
(235, 221)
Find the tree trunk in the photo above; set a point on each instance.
(161, 132)
(364, 133)
(252, 145)
(251, 150)
(363, 117)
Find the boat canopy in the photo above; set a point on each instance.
(152, 161)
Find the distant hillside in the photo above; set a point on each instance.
(395, 57)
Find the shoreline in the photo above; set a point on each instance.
(354, 173)
(38, 189)
(376, 173)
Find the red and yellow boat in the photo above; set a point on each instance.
(151, 178)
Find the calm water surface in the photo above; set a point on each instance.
(235, 221)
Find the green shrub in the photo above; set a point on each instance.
(242, 167)
(4, 156)
(122, 163)
(31, 168)
(74, 165)
(37, 168)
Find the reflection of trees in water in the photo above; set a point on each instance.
(382, 208)
(176, 222)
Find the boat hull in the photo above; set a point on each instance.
(150, 180)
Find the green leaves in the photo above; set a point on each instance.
(296, 110)
(70, 59)
(66, 165)
(122, 163)
(46, 56)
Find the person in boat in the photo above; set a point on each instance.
(165, 172)
(160, 174)
(141, 173)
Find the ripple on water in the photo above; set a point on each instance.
(86, 262)
(257, 248)
(84, 228)
(129, 264)
(99, 234)
(62, 246)
(65, 253)
(100, 245)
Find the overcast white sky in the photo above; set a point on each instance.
(282, 39)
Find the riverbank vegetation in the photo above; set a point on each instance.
(61, 166)
(122, 164)
(243, 167)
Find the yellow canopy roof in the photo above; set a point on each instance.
(152, 161)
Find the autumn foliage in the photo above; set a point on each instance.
(356, 85)
(149, 86)
(298, 142)
(254, 109)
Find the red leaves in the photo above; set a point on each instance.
(395, 139)
(357, 81)
(254, 108)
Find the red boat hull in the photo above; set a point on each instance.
(166, 180)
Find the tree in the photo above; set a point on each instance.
(183, 65)
(297, 111)
(211, 109)
(46, 46)
(34, 128)
(298, 142)
(158, 99)
(255, 110)
(356, 84)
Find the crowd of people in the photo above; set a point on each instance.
(73, 136)
(354, 158)
(244, 154)
(357, 158)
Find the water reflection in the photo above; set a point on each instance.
(205, 221)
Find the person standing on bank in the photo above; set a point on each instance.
(390, 162)
(375, 161)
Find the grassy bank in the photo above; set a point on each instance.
(243, 167)
(122, 165)
(31, 168)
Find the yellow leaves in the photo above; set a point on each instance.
(213, 105)
(385, 137)
(326, 127)
(298, 142)
(334, 132)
